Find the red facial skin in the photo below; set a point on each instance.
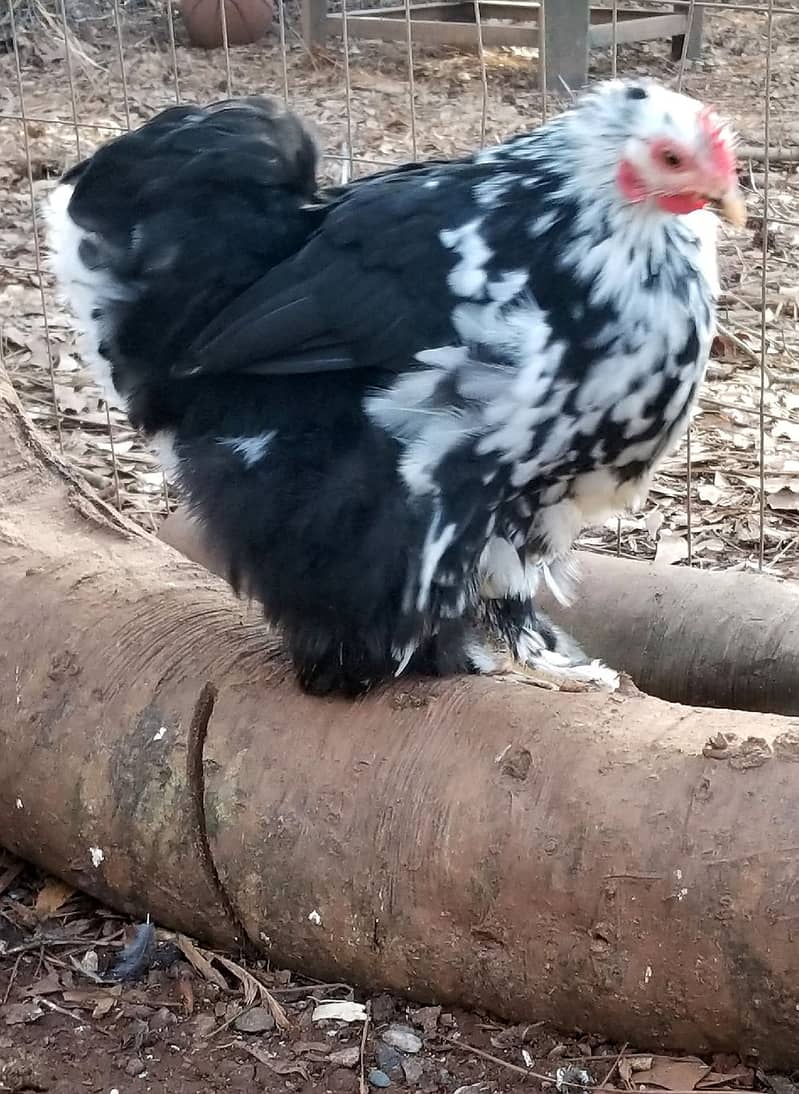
(680, 167)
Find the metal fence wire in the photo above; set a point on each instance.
(75, 72)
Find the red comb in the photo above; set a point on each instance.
(720, 151)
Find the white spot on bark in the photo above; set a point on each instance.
(315, 918)
(19, 803)
(647, 974)
(98, 856)
(159, 736)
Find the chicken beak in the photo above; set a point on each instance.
(733, 207)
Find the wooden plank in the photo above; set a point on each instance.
(572, 28)
(435, 32)
(458, 11)
(313, 19)
(605, 15)
(694, 51)
(636, 30)
(566, 43)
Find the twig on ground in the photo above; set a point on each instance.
(517, 1068)
(363, 1088)
(10, 984)
(614, 1065)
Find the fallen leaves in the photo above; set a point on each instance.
(200, 962)
(17, 1014)
(52, 896)
(203, 962)
(279, 1067)
(666, 1073)
(341, 1011)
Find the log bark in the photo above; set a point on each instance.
(685, 635)
(573, 857)
(689, 636)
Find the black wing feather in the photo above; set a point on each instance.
(368, 289)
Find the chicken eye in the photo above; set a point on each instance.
(672, 159)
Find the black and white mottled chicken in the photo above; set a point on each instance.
(393, 405)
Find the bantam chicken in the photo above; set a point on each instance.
(392, 406)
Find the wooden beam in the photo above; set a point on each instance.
(636, 30)
(571, 29)
(457, 11)
(435, 31)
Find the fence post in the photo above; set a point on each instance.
(566, 45)
(694, 51)
(314, 22)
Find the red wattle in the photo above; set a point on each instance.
(681, 203)
(634, 189)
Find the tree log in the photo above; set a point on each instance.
(689, 636)
(581, 858)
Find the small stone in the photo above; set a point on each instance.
(448, 1020)
(346, 1057)
(378, 1078)
(383, 1007)
(412, 1068)
(134, 1066)
(388, 1060)
(403, 1038)
(427, 1018)
(162, 1019)
(342, 1081)
(257, 1020)
(204, 1024)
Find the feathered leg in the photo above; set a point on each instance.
(511, 620)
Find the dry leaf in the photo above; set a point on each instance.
(671, 548)
(186, 993)
(625, 1071)
(200, 963)
(718, 1078)
(48, 985)
(253, 988)
(53, 894)
(786, 499)
(89, 997)
(341, 1011)
(653, 521)
(17, 1014)
(681, 1074)
(103, 1007)
(708, 492)
(280, 1067)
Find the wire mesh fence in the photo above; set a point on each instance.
(74, 74)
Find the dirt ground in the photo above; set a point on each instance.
(64, 1027)
(188, 1024)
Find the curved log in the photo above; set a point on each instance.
(582, 858)
(691, 636)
